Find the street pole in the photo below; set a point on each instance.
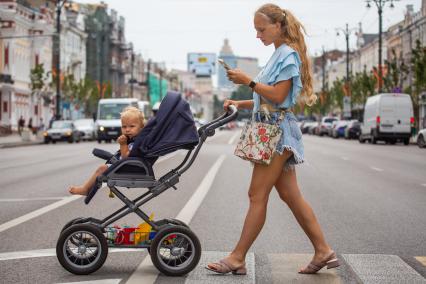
(148, 70)
(131, 74)
(58, 59)
(380, 4)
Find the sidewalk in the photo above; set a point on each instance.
(15, 140)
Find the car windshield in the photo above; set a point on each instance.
(330, 120)
(83, 122)
(61, 124)
(111, 110)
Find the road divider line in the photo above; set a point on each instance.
(146, 273)
(31, 199)
(345, 158)
(102, 281)
(49, 252)
(38, 212)
(63, 201)
(377, 169)
(231, 141)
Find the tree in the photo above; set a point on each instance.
(396, 73)
(418, 68)
(38, 84)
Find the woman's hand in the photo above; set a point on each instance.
(122, 140)
(227, 103)
(238, 77)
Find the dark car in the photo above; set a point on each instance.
(62, 130)
(353, 130)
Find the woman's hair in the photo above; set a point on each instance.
(293, 36)
(134, 112)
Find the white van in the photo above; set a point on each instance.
(108, 123)
(387, 117)
(145, 108)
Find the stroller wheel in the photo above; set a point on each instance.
(82, 249)
(175, 250)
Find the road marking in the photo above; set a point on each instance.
(103, 281)
(424, 184)
(38, 212)
(31, 199)
(146, 273)
(49, 252)
(63, 201)
(376, 169)
(231, 141)
(378, 268)
(345, 158)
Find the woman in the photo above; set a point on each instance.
(276, 88)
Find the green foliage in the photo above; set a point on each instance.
(37, 77)
(243, 92)
(418, 67)
(397, 71)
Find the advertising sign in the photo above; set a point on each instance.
(202, 64)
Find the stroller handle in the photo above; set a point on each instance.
(224, 118)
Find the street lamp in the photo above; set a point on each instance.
(347, 33)
(59, 5)
(380, 4)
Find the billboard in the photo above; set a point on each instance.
(202, 64)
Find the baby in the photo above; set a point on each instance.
(132, 122)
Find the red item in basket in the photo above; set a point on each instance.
(125, 236)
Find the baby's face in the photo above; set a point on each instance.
(130, 126)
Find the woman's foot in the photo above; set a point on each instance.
(319, 261)
(227, 265)
(78, 190)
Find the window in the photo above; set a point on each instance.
(36, 110)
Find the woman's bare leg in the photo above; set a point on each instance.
(84, 189)
(263, 179)
(289, 192)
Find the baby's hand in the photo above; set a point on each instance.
(122, 140)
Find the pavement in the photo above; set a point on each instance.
(16, 140)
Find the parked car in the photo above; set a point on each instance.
(325, 125)
(313, 128)
(86, 126)
(421, 138)
(339, 129)
(306, 125)
(62, 130)
(353, 130)
(387, 117)
(333, 125)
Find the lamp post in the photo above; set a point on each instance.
(59, 5)
(380, 5)
(347, 33)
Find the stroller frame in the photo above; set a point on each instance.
(96, 228)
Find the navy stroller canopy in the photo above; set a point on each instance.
(172, 128)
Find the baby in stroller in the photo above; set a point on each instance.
(132, 122)
(175, 250)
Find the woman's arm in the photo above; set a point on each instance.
(246, 104)
(276, 93)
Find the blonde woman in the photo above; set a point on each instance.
(275, 91)
(132, 122)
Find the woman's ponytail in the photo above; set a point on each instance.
(293, 32)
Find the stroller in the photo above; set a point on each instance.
(175, 250)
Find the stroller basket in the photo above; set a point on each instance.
(175, 250)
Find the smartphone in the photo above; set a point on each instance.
(226, 66)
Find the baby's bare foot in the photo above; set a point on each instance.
(78, 190)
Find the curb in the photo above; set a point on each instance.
(20, 144)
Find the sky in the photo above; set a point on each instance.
(166, 30)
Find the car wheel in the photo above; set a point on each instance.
(46, 140)
(406, 141)
(421, 141)
(373, 140)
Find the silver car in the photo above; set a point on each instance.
(421, 138)
(86, 126)
(62, 130)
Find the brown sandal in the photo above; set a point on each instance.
(331, 261)
(224, 267)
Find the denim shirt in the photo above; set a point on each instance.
(284, 64)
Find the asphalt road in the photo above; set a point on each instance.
(369, 199)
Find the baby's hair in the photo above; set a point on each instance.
(132, 111)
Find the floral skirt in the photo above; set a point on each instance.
(291, 138)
